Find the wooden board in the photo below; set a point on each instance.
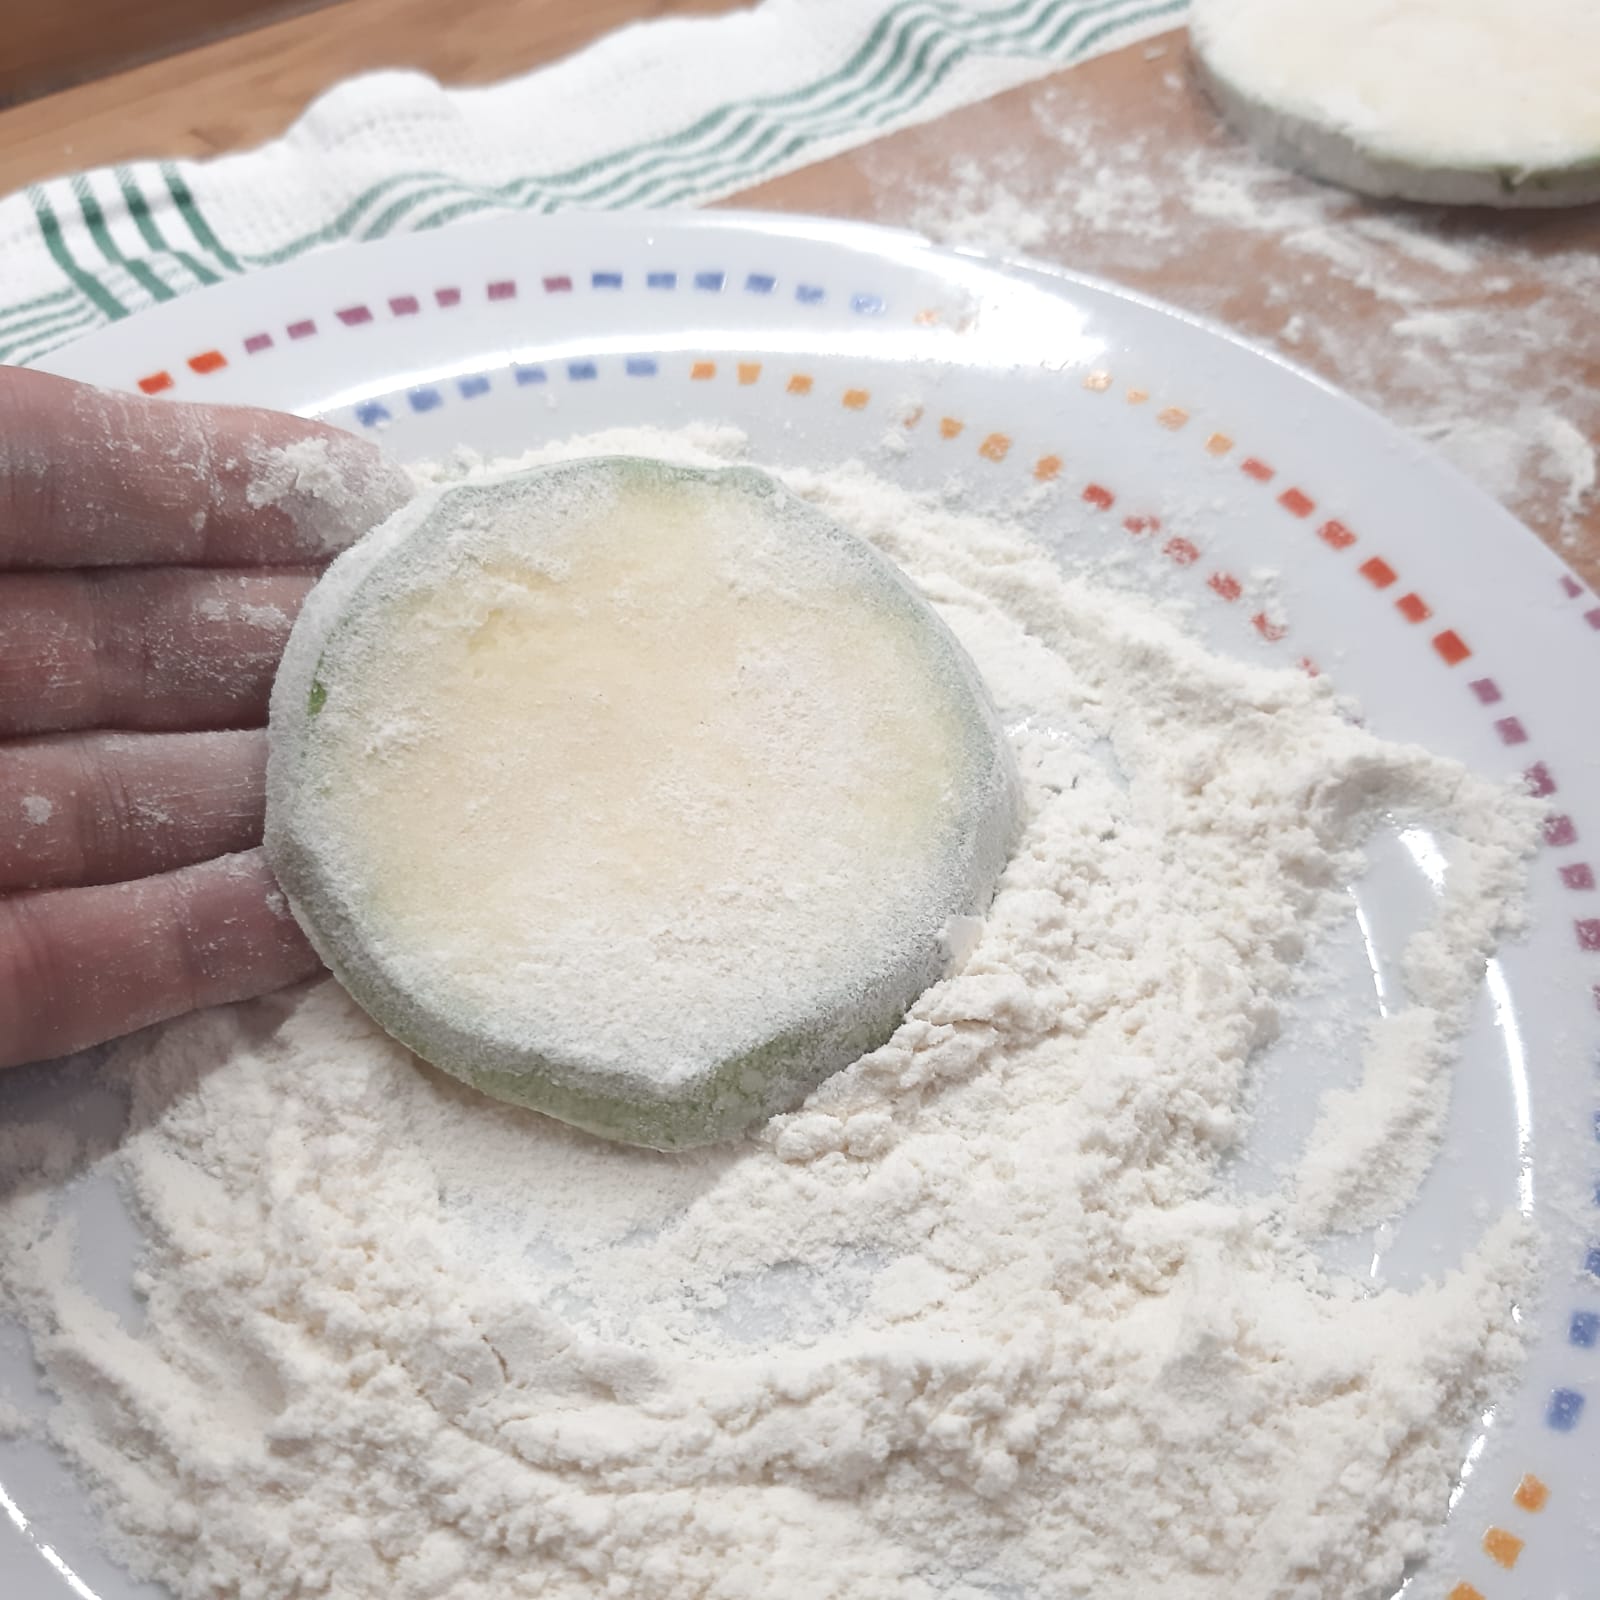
(49, 47)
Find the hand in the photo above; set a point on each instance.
(152, 559)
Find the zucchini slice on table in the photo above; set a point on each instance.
(1458, 102)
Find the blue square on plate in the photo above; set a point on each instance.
(1564, 1410)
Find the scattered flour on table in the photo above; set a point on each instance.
(981, 1318)
(1448, 345)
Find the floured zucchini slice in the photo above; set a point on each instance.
(1460, 102)
(641, 795)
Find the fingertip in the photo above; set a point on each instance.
(80, 966)
(332, 486)
(99, 477)
(241, 935)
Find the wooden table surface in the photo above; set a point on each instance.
(1117, 167)
(244, 90)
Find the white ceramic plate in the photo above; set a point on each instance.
(1204, 462)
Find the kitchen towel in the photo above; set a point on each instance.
(665, 113)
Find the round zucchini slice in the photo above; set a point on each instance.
(642, 795)
(1456, 102)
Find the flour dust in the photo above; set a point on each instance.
(981, 1318)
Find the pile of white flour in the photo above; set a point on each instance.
(980, 1319)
